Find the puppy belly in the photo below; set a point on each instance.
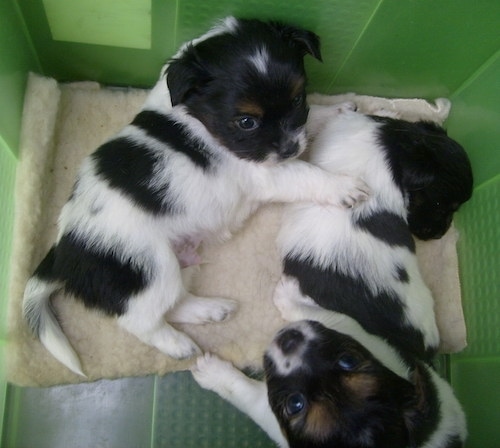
(186, 251)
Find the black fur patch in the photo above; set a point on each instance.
(424, 419)
(44, 270)
(354, 298)
(402, 275)
(129, 167)
(99, 279)
(173, 134)
(388, 227)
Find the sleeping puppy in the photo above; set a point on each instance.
(213, 142)
(357, 372)
(419, 177)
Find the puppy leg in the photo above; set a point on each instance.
(145, 318)
(290, 301)
(297, 180)
(200, 310)
(248, 395)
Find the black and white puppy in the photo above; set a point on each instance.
(203, 153)
(357, 372)
(366, 256)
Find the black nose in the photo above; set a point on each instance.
(289, 150)
(289, 340)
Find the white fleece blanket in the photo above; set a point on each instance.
(62, 124)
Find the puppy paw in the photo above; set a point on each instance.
(178, 346)
(202, 310)
(347, 106)
(383, 112)
(217, 310)
(352, 192)
(290, 301)
(211, 372)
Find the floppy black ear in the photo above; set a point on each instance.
(185, 76)
(418, 175)
(421, 409)
(307, 41)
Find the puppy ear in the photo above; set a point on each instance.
(418, 410)
(417, 176)
(185, 76)
(416, 145)
(307, 41)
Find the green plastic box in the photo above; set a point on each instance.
(395, 48)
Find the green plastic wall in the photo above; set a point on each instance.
(398, 48)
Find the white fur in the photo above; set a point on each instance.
(37, 303)
(214, 204)
(260, 60)
(453, 418)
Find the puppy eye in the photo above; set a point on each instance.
(348, 361)
(295, 403)
(247, 123)
(297, 101)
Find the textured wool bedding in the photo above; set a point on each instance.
(64, 122)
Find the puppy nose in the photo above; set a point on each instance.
(289, 340)
(288, 150)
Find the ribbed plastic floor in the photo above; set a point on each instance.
(150, 412)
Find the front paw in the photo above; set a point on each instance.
(213, 309)
(290, 301)
(353, 191)
(211, 372)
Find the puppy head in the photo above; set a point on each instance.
(326, 389)
(435, 173)
(246, 83)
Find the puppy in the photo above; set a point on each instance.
(357, 372)
(330, 383)
(213, 142)
(362, 262)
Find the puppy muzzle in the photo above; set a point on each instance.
(288, 149)
(291, 145)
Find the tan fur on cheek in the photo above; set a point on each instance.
(298, 87)
(320, 421)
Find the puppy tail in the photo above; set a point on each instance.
(39, 314)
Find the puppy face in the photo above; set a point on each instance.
(247, 86)
(328, 390)
(435, 172)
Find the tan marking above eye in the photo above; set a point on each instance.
(362, 384)
(297, 87)
(250, 108)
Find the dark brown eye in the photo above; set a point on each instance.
(247, 123)
(348, 361)
(297, 101)
(295, 403)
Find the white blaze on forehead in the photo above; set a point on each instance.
(260, 60)
(288, 363)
